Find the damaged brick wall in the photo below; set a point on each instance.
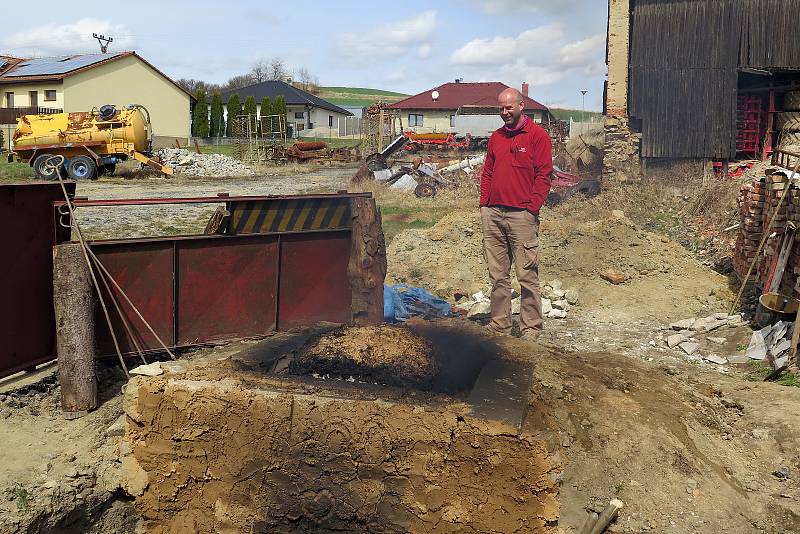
(622, 145)
(214, 456)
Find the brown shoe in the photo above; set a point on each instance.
(496, 331)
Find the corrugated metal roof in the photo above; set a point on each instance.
(57, 65)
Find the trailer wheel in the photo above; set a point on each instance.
(82, 168)
(43, 170)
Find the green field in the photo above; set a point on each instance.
(358, 96)
(576, 114)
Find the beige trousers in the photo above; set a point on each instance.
(512, 235)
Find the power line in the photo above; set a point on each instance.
(104, 42)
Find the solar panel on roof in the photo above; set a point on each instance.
(57, 65)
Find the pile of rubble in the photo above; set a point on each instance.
(208, 165)
(687, 330)
(556, 302)
(772, 343)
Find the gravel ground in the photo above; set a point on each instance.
(148, 221)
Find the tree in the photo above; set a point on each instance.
(251, 109)
(200, 116)
(278, 69)
(237, 82)
(190, 85)
(266, 111)
(260, 72)
(279, 108)
(217, 128)
(234, 110)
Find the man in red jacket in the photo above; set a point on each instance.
(514, 185)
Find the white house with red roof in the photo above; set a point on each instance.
(439, 109)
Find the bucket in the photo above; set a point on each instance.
(773, 307)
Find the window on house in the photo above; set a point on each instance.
(330, 121)
(415, 119)
(452, 121)
(9, 100)
(299, 115)
(50, 95)
(33, 99)
(299, 126)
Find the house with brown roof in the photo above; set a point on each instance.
(86, 81)
(446, 107)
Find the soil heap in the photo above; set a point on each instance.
(661, 278)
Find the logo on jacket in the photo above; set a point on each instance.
(521, 149)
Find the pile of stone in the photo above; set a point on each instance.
(687, 330)
(556, 302)
(208, 165)
(772, 343)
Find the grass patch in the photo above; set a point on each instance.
(760, 370)
(565, 113)
(399, 218)
(22, 498)
(334, 142)
(15, 171)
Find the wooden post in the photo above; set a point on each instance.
(74, 305)
(367, 267)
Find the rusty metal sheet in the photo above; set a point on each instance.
(27, 319)
(227, 288)
(144, 271)
(314, 286)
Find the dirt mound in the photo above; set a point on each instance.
(389, 355)
(662, 279)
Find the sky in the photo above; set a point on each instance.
(557, 46)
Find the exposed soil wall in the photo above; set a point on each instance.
(214, 456)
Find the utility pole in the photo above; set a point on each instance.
(583, 105)
(104, 42)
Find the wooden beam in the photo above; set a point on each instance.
(367, 267)
(74, 301)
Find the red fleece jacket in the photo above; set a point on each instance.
(518, 166)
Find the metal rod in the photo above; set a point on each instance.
(122, 317)
(84, 248)
(133, 307)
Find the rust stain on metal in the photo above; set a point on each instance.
(79, 120)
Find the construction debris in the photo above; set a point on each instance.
(190, 163)
(772, 343)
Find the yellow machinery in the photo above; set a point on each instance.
(91, 142)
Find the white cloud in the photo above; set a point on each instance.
(544, 55)
(424, 51)
(395, 76)
(70, 38)
(513, 7)
(388, 40)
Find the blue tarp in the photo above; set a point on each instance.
(401, 303)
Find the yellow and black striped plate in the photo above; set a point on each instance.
(289, 215)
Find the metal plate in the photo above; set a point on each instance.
(314, 286)
(227, 288)
(27, 319)
(144, 271)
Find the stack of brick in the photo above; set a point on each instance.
(751, 212)
(760, 203)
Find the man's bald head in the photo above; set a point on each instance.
(511, 103)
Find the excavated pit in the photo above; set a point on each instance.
(300, 433)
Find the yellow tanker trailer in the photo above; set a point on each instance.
(91, 142)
